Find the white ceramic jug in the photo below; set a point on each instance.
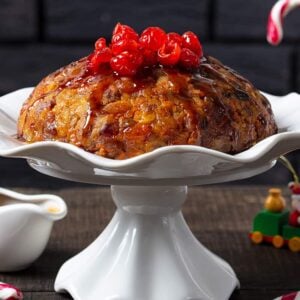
(25, 226)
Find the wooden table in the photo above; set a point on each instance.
(219, 216)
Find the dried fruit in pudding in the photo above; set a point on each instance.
(139, 93)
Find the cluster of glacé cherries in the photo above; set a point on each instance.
(128, 52)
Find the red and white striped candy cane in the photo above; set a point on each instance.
(276, 16)
(292, 296)
(9, 292)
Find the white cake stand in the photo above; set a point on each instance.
(147, 252)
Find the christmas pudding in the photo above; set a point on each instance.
(142, 92)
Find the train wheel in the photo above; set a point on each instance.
(257, 237)
(294, 244)
(278, 241)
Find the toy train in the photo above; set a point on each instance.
(276, 225)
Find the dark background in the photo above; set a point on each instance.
(37, 37)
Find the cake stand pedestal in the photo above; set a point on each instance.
(147, 252)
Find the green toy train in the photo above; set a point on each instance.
(273, 224)
(273, 227)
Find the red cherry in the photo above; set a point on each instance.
(174, 37)
(152, 38)
(169, 54)
(121, 28)
(191, 41)
(137, 58)
(99, 57)
(150, 57)
(188, 58)
(123, 36)
(126, 63)
(104, 55)
(124, 45)
(118, 28)
(122, 32)
(100, 43)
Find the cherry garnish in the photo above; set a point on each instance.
(128, 51)
(152, 38)
(191, 41)
(169, 54)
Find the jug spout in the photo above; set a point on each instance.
(50, 206)
(53, 207)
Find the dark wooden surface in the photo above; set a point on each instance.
(219, 216)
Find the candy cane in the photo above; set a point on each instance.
(277, 14)
(9, 292)
(292, 296)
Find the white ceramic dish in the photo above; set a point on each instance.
(147, 251)
(25, 226)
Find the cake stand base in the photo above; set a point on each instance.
(147, 252)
